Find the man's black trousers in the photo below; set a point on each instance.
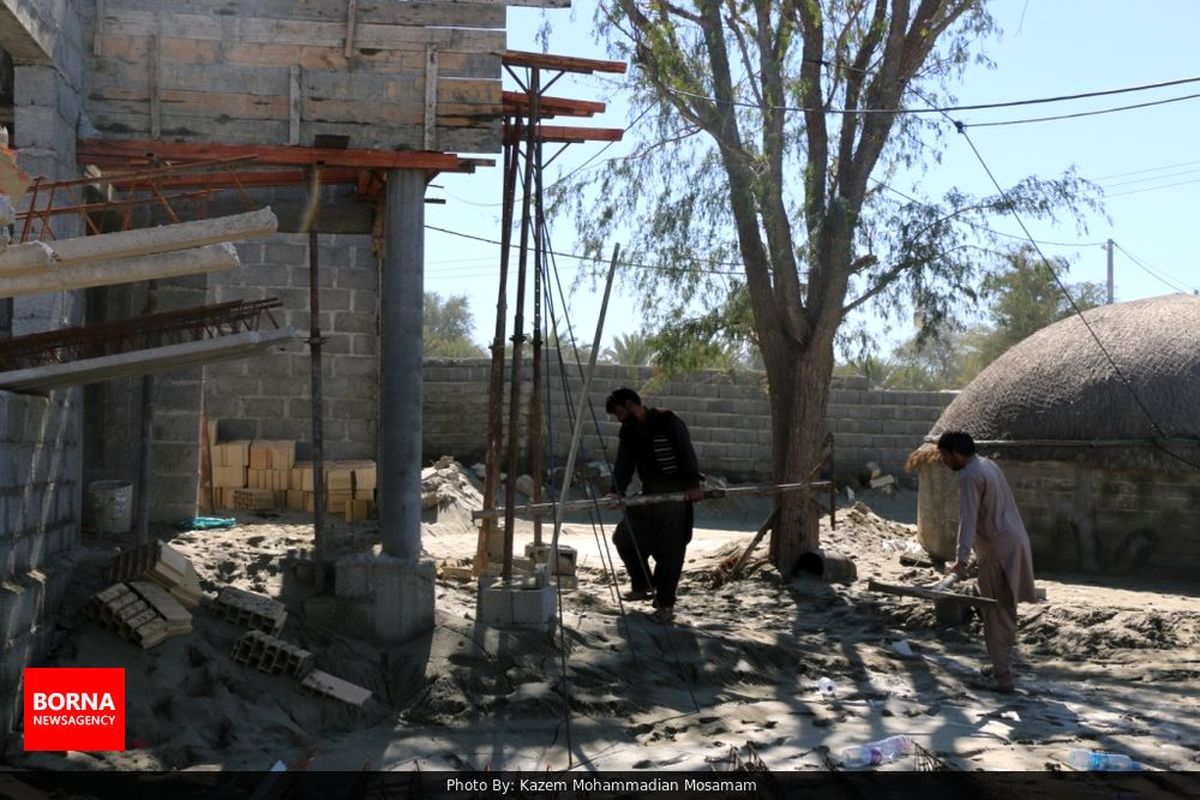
(660, 532)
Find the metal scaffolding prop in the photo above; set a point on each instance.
(523, 136)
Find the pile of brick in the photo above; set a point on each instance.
(262, 474)
(140, 611)
(273, 656)
(249, 610)
(162, 564)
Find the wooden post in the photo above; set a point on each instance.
(351, 22)
(489, 540)
(294, 105)
(155, 76)
(431, 81)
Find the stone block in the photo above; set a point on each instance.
(354, 322)
(402, 598)
(282, 252)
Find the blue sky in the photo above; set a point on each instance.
(1146, 159)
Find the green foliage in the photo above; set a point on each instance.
(1020, 300)
(1027, 299)
(629, 350)
(447, 328)
(729, 191)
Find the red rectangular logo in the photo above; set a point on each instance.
(74, 709)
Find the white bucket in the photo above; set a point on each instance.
(110, 506)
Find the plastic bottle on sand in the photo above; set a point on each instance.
(826, 687)
(1094, 761)
(874, 753)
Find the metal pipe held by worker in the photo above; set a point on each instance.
(547, 509)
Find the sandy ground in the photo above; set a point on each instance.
(1101, 666)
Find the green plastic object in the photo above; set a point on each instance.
(206, 523)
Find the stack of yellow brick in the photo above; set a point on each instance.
(265, 474)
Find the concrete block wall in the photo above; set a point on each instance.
(40, 465)
(39, 513)
(728, 416)
(1083, 518)
(268, 396)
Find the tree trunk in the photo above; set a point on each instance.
(798, 409)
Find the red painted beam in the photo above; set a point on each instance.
(522, 58)
(563, 134)
(126, 150)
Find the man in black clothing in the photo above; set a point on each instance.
(656, 443)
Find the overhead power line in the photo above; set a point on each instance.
(735, 273)
(1162, 276)
(934, 109)
(1079, 114)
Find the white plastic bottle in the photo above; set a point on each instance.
(875, 753)
(1095, 761)
(826, 687)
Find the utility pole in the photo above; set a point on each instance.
(1109, 247)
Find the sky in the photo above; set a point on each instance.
(1145, 159)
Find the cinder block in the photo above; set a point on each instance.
(352, 578)
(494, 606)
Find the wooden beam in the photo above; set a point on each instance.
(26, 259)
(125, 150)
(517, 104)
(564, 134)
(523, 58)
(930, 594)
(143, 362)
(164, 239)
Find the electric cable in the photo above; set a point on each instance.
(1159, 435)
(935, 109)
(1159, 275)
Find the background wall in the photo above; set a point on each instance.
(727, 414)
(39, 436)
(1083, 518)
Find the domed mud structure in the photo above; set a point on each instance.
(1104, 466)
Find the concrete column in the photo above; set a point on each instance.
(401, 311)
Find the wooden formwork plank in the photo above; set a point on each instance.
(476, 14)
(926, 593)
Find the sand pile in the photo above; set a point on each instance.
(1104, 667)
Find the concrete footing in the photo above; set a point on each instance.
(503, 605)
(385, 598)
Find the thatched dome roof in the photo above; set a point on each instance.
(1057, 395)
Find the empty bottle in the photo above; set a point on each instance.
(875, 753)
(1095, 761)
(826, 687)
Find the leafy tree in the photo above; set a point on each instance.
(447, 327)
(630, 350)
(1027, 299)
(774, 125)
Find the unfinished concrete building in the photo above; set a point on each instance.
(186, 109)
(1103, 465)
